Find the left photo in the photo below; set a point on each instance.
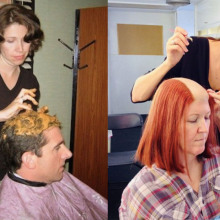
(53, 109)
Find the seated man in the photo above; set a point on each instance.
(36, 185)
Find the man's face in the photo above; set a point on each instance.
(51, 164)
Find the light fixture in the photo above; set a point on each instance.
(178, 2)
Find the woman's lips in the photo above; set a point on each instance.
(19, 57)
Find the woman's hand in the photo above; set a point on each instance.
(216, 97)
(146, 85)
(18, 104)
(177, 46)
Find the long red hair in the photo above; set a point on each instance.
(160, 141)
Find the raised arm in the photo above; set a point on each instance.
(176, 47)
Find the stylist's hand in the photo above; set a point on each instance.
(19, 104)
(176, 46)
(216, 97)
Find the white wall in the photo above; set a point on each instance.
(58, 21)
(207, 16)
(186, 18)
(124, 69)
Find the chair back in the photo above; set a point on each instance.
(126, 131)
(122, 121)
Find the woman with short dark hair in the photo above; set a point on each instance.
(20, 36)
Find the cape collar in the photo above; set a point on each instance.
(25, 182)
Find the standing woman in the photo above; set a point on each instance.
(195, 58)
(20, 36)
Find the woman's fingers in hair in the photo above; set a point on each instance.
(214, 95)
(25, 106)
(27, 94)
(30, 92)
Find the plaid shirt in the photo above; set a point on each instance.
(153, 194)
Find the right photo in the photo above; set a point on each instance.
(163, 109)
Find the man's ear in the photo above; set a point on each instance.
(29, 160)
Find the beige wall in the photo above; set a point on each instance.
(58, 21)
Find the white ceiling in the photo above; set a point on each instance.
(149, 4)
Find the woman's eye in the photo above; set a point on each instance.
(192, 120)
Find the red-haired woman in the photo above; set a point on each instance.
(181, 176)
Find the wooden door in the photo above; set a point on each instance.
(90, 129)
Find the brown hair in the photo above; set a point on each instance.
(14, 13)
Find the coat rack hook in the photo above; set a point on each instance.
(87, 45)
(69, 67)
(65, 44)
(83, 67)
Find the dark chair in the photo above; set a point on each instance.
(126, 130)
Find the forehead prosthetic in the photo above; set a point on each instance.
(198, 92)
(30, 123)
